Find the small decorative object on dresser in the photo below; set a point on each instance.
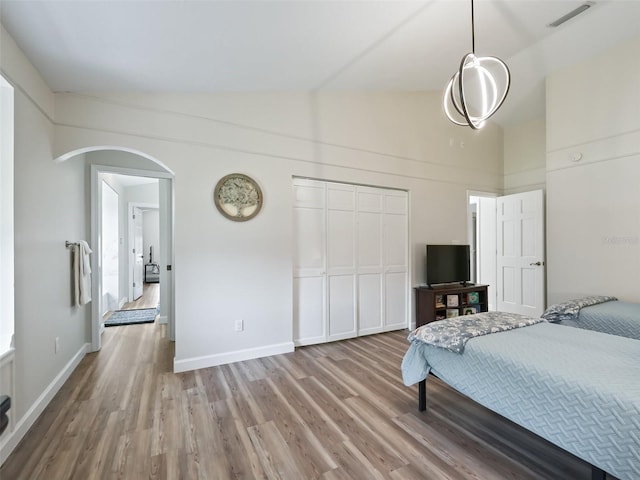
(473, 297)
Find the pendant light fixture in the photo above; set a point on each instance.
(478, 89)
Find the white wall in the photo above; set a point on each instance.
(525, 157)
(593, 177)
(226, 270)
(50, 207)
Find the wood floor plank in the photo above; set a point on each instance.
(239, 459)
(334, 411)
(273, 452)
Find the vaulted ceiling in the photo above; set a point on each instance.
(306, 45)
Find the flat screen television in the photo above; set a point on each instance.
(448, 264)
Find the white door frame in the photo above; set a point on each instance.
(166, 236)
(492, 290)
(130, 239)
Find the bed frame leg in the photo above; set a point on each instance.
(597, 474)
(422, 398)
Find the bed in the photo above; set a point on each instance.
(576, 388)
(600, 313)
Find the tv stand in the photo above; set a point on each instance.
(451, 300)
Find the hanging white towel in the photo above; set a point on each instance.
(82, 272)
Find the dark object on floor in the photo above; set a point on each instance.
(130, 317)
(152, 273)
(5, 405)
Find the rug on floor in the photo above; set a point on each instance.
(130, 317)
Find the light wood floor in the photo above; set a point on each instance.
(333, 411)
(150, 298)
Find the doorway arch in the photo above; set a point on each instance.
(105, 160)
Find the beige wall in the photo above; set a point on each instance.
(525, 157)
(593, 174)
(397, 140)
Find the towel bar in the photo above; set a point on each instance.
(70, 244)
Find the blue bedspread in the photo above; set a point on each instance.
(576, 388)
(615, 318)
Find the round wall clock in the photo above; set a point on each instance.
(238, 197)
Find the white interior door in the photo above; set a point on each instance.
(138, 254)
(520, 258)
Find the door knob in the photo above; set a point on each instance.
(537, 264)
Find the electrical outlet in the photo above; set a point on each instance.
(57, 344)
(239, 326)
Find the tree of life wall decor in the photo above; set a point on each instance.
(238, 197)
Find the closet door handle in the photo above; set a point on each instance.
(537, 264)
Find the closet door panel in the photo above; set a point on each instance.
(370, 260)
(395, 240)
(395, 313)
(340, 241)
(396, 258)
(369, 303)
(369, 245)
(309, 310)
(309, 262)
(309, 237)
(396, 202)
(342, 315)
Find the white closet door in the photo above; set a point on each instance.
(370, 260)
(341, 261)
(309, 281)
(350, 261)
(396, 260)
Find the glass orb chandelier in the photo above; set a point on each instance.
(478, 89)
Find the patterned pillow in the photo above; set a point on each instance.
(570, 310)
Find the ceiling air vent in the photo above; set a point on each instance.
(577, 11)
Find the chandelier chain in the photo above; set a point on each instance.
(473, 31)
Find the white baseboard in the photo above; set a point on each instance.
(11, 440)
(163, 319)
(231, 357)
(123, 300)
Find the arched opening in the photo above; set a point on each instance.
(124, 170)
